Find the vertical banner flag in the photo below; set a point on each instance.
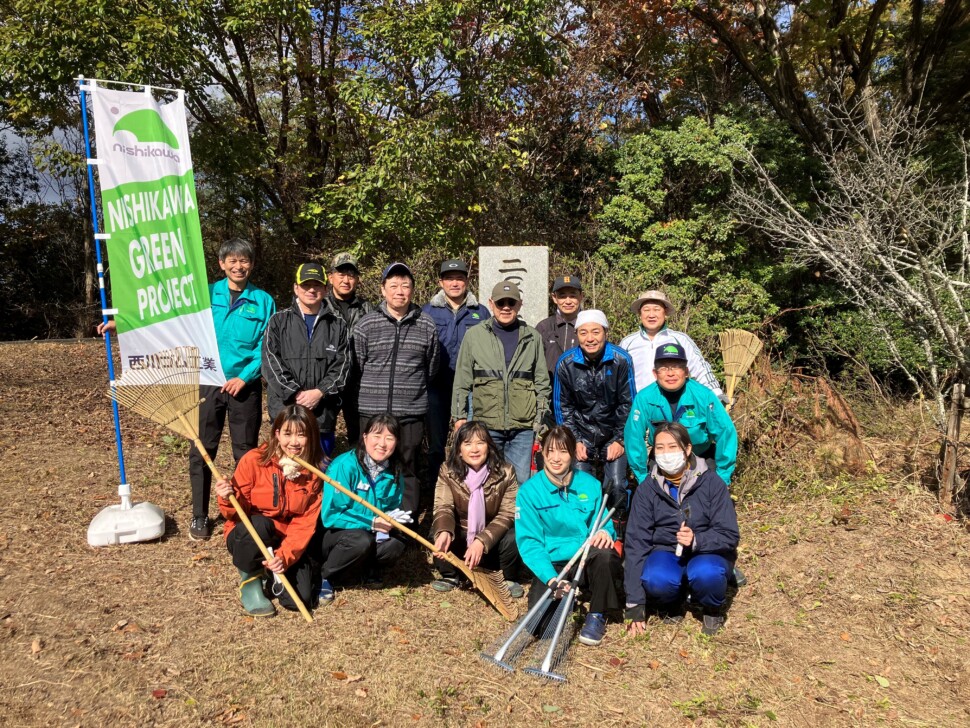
(151, 217)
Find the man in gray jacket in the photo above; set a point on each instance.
(397, 351)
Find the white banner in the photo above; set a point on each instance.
(148, 202)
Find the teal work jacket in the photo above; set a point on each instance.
(340, 510)
(240, 327)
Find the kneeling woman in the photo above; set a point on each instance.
(555, 510)
(474, 509)
(354, 539)
(283, 503)
(681, 504)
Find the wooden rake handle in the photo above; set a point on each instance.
(374, 509)
(250, 528)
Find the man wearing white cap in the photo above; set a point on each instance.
(592, 395)
(653, 308)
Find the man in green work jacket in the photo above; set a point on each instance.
(240, 312)
(502, 364)
(675, 397)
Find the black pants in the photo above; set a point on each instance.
(352, 416)
(602, 578)
(345, 553)
(504, 555)
(247, 557)
(408, 450)
(245, 412)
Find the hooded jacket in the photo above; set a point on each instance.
(513, 398)
(643, 349)
(397, 360)
(292, 505)
(451, 498)
(452, 325)
(594, 399)
(655, 518)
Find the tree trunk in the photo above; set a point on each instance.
(950, 472)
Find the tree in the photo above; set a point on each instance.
(892, 232)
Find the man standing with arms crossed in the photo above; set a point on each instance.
(344, 276)
(454, 309)
(501, 364)
(397, 350)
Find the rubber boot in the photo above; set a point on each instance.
(251, 592)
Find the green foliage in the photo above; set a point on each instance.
(668, 227)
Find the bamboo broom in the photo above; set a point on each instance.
(739, 349)
(165, 389)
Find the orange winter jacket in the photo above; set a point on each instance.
(293, 505)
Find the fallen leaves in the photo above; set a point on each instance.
(340, 675)
(159, 693)
(36, 646)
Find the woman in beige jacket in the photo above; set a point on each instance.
(474, 509)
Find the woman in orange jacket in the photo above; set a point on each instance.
(283, 502)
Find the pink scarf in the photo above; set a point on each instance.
(476, 501)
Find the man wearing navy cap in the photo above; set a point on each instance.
(306, 354)
(675, 397)
(558, 332)
(397, 351)
(454, 309)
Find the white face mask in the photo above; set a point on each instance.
(671, 462)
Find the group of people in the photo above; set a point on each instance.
(399, 373)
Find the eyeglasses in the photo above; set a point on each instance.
(670, 367)
(506, 303)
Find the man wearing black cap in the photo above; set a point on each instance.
(397, 350)
(306, 354)
(454, 309)
(558, 332)
(344, 276)
(501, 365)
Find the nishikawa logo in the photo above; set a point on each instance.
(147, 127)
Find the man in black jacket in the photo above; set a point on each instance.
(344, 276)
(592, 395)
(397, 350)
(306, 355)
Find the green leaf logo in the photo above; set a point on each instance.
(670, 349)
(147, 126)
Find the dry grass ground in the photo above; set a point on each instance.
(857, 612)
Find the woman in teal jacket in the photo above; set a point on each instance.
(554, 513)
(353, 538)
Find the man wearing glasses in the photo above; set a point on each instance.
(675, 397)
(558, 332)
(502, 365)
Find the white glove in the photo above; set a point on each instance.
(401, 516)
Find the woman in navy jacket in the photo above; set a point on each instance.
(682, 506)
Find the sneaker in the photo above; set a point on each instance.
(326, 593)
(200, 529)
(445, 584)
(515, 589)
(712, 624)
(593, 629)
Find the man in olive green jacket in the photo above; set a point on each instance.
(502, 365)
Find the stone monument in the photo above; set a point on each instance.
(525, 265)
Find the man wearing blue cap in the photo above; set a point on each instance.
(397, 352)
(674, 397)
(454, 309)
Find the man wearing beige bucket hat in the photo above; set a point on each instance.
(653, 308)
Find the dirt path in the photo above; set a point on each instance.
(856, 614)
